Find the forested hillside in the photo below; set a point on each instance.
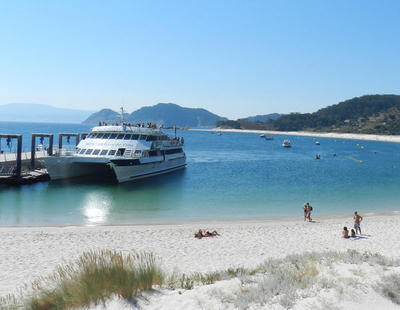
(371, 114)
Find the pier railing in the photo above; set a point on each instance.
(11, 171)
(7, 157)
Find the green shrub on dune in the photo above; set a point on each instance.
(93, 278)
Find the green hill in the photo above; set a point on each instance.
(261, 118)
(167, 114)
(105, 115)
(370, 114)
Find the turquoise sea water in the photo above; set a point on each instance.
(232, 176)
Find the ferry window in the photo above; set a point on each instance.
(112, 152)
(89, 151)
(103, 152)
(127, 137)
(90, 135)
(151, 138)
(96, 152)
(138, 152)
(120, 136)
(120, 152)
(143, 137)
(82, 151)
(113, 135)
(100, 136)
(135, 137)
(173, 151)
(106, 136)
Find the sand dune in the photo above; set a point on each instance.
(29, 252)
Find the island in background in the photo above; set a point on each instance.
(369, 114)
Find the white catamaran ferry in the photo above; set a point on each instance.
(122, 152)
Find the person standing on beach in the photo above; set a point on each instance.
(305, 211)
(309, 209)
(357, 220)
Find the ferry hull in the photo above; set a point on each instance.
(60, 168)
(135, 172)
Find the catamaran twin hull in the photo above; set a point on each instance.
(120, 170)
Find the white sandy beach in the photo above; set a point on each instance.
(29, 252)
(352, 136)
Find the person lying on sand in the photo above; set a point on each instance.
(345, 233)
(201, 233)
(212, 234)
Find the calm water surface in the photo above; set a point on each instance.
(232, 176)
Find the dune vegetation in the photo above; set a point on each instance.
(97, 276)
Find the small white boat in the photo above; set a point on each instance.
(317, 143)
(286, 143)
(262, 135)
(219, 133)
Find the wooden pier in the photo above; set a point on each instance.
(26, 177)
(24, 167)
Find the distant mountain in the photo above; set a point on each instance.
(29, 112)
(105, 115)
(167, 114)
(261, 118)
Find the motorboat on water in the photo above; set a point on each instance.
(286, 143)
(317, 143)
(262, 135)
(120, 153)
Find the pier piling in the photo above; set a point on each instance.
(83, 135)
(61, 135)
(33, 146)
(19, 151)
(11, 171)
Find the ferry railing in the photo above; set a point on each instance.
(63, 152)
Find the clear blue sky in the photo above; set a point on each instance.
(234, 58)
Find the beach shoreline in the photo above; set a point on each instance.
(351, 136)
(200, 222)
(27, 253)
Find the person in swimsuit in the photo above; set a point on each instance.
(309, 209)
(305, 211)
(199, 234)
(345, 233)
(352, 233)
(357, 220)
